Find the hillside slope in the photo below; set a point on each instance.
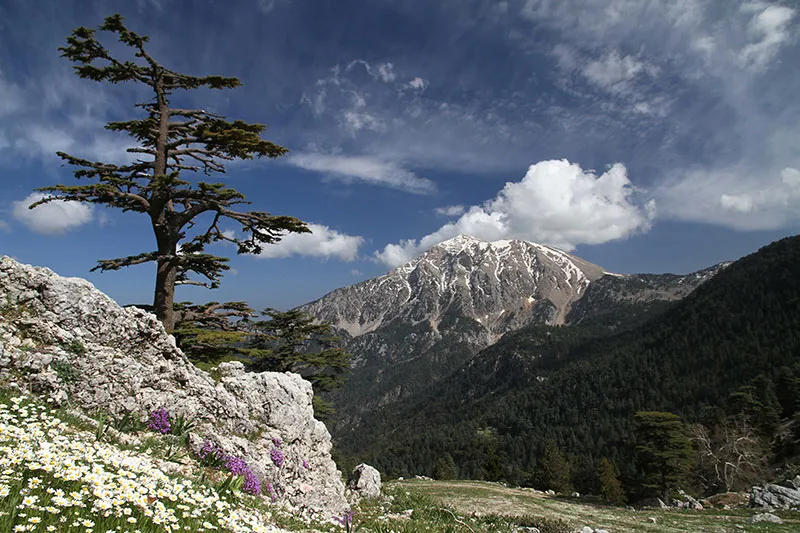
(493, 415)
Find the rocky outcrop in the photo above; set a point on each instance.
(365, 482)
(765, 517)
(61, 337)
(775, 497)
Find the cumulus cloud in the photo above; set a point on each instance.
(53, 218)
(418, 84)
(556, 203)
(732, 199)
(364, 169)
(450, 210)
(322, 242)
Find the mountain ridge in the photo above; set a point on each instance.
(415, 325)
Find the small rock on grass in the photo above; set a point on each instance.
(765, 517)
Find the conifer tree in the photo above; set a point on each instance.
(609, 484)
(664, 454)
(445, 468)
(172, 141)
(293, 341)
(554, 469)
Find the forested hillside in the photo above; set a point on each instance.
(730, 349)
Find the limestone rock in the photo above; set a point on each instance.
(365, 482)
(774, 497)
(62, 337)
(765, 517)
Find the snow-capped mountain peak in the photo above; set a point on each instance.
(500, 285)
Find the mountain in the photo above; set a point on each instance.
(736, 336)
(418, 323)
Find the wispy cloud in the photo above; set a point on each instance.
(768, 31)
(450, 210)
(363, 169)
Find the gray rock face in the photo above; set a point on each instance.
(775, 497)
(497, 284)
(62, 337)
(765, 517)
(365, 482)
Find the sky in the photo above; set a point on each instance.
(644, 136)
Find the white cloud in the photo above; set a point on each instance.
(556, 203)
(768, 30)
(731, 198)
(322, 242)
(364, 169)
(4, 225)
(53, 218)
(386, 72)
(417, 83)
(451, 210)
(361, 120)
(615, 73)
(355, 272)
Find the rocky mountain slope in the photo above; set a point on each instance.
(581, 388)
(417, 323)
(62, 339)
(421, 321)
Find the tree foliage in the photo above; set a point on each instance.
(294, 341)
(581, 387)
(554, 469)
(171, 141)
(664, 454)
(609, 485)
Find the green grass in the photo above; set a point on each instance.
(515, 506)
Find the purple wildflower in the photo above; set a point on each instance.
(251, 483)
(277, 457)
(346, 520)
(208, 448)
(236, 465)
(159, 421)
(277, 442)
(306, 465)
(271, 491)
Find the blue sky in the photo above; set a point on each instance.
(645, 136)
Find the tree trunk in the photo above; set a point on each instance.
(165, 292)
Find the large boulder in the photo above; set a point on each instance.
(775, 497)
(61, 337)
(365, 482)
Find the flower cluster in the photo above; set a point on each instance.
(277, 457)
(212, 455)
(159, 421)
(69, 481)
(346, 520)
(277, 442)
